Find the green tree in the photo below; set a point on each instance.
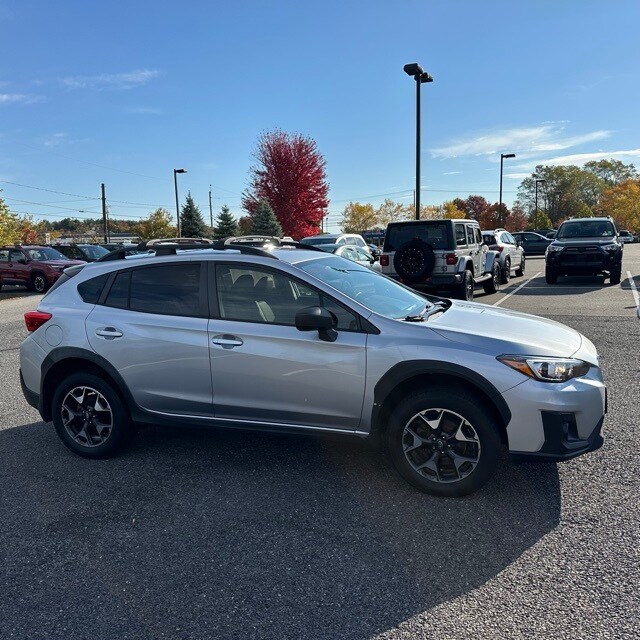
(191, 220)
(358, 217)
(157, 225)
(611, 172)
(390, 211)
(539, 220)
(264, 221)
(226, 225)
(9, 225)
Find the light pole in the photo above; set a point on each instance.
(175, 184)
(538, 181)
(502, 157)
(415, 70)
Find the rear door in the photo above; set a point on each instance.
(264, 369)
(477, 256)
(150, 323)
(18, 266)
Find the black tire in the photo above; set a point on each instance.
(414, 261)
(450, 477)
(114, 439)
(39, 282)
(506, 272)
(520, 269)
(493, 285)
(550, 276)
(464, 290)
(615, 275)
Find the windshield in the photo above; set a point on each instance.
(433, 233)
(374, 291)
(586, 229)
(93, 251)
(46, 253)
(319, 240)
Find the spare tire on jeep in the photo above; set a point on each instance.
(414, 261)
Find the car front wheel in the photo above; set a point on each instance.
(39, 283)
(89, 416)
(444, 442)
(615, 275)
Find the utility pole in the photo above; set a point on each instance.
(105, 224)
(210, 208)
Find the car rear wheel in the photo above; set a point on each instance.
(444, 442)
(520, 269)
(39, 283)
(506, 272)
(89, 416)
(464, 291)
(493, 285)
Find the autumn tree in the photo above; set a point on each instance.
(264, 221)
(226, 225)
(244, 226)
(9, 230)
(390, 211)
(28, 230)
(517, 219)
(622, 203)
(290, 175)
(358, 217)
(451, 212)
(611, 172)
(472, 206)
(191, 221)
(157, 225)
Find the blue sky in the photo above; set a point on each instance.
(123, 92)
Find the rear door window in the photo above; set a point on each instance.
(461, 239)
(471, 238)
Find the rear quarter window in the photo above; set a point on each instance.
(90, 290)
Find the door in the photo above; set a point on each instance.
(510, 247)
(265, 370)
(478, 257)
(151, 325)
(18, 269)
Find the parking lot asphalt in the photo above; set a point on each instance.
(233, 535)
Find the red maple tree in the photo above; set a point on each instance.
(291, 176)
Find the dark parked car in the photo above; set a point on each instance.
(585, 246)
(34, 267)
(86, 252)
(534, 244)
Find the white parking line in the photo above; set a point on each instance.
(634, 291)
(524, 284)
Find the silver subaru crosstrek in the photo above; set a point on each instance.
(289, 338)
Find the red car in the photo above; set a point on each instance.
(35, 267)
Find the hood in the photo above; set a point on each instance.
(513, 332)
(583, 242)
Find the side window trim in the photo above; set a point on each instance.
(248, 266)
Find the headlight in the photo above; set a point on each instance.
(610, 247)
(554, 247)
(547, 369)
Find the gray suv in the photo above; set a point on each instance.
(511, 257)
(292, 339)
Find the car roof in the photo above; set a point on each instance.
(431, 221)
(590, 219)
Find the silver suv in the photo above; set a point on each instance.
(440, 255)
(511, 257)
(291, 339)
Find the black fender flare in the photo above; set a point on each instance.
(411, 368)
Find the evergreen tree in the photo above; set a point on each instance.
(191, 221)
(264, 221)
(226, 225)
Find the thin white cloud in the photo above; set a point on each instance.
(451, 173)
(527, 140)
(153, 111)
(518, 176)
(116, 81)
(18, 98)
(54, 139)
(581, 158)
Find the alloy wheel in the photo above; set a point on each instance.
(87, 416)
(39, 284)
(441, 445)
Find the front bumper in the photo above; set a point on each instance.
(590, 261)
(557, 421)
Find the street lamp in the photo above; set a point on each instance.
(175, 184)
(420, 76)
(502, 157)
(538, 181)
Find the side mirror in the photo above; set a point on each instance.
(317, 319)
(22, 260)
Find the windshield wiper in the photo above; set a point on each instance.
(436, 307)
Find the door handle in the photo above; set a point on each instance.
(109, 332)
(227, 341)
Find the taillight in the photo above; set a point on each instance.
(384, 261)
(498, 249)
(35, 319)
(451, 258)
